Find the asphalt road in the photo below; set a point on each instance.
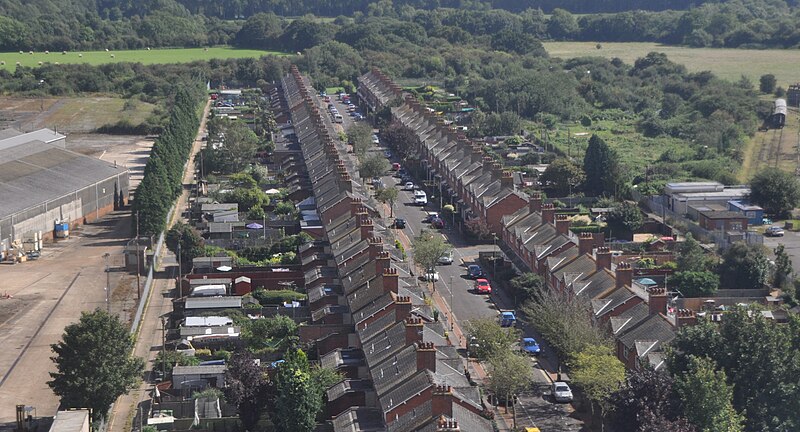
(535, 407)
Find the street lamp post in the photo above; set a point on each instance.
(108, 283)
(494, 253)
(452, 309)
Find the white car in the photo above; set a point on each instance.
(409, 186)
(561, 392)
(447, 258)
(432, 276)
(420, 197)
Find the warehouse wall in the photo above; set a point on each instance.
(83, 206)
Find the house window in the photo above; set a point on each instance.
(625, 352)
(736, 226)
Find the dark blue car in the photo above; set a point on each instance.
(475, 271)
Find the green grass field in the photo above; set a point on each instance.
(154, 56)
(727, 63)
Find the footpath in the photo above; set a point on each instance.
(135, 404)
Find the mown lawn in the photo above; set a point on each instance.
(727, 63)
(9, 60)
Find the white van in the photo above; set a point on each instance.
(420, 197)
(337, 118)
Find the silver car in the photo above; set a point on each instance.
(562, 392)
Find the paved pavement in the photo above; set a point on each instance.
(454, 295)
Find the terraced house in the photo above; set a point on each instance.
(369, 319)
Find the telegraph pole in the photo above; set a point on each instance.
(108, 284)
(180, 266)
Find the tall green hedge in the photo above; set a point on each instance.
(162, 181)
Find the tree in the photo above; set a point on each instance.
(624, 218)
(298, 398)
(561, 319)
(769, 394)
(478, 228)
(275, 333)
(775, 190)
(706, 397)
(387, 195)
(190, 242)
(691, 257)
(428, 248)
(695, 284)
(401, 139)
(601, 167)
(509, 374)
(782, 277)
(562, 25)
(647, 398)
(247, 388)
(93, 363)
(562, 177)
(598, 372)
(487, 339)
(527, 286)
(239, 145)
(374, 165)
(744, 266)
(767, 83)
(359, 136)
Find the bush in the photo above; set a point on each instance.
(277, 297)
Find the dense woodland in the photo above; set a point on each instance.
(116, 24)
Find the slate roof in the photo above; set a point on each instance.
(619, 296)
(628, 319)
(359, 419)
(654, 328)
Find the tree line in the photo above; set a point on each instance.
(163, 174)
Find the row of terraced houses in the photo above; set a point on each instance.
(369, 319)
(534, 236)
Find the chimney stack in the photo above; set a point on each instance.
(548, 213)
(402, 308)
(390, 280)
(355, 206)
(366, 226)
(562, 224)
(585, 243)
(497, 171)
(447, 425)
(345, 184)
(685, 317)
(657, 300)
(507, 180)
(413, 330)
(624, 275)
(535, 203)
(375, 247)
(426, 356)
(602, 258)
(382, 262)
(477, 153)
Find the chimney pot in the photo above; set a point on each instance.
(603, 258)
(548, 213)
(562, 224)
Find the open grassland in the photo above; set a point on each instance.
(72, 115)
(9, 60)
(727, 63)
(775, 148)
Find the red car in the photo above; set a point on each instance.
(482, 286)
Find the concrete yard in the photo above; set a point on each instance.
(49, 294)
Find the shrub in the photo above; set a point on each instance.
(276, 297)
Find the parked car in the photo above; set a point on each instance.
(447, 258)
(396, 167)
(437, 223)
(774, 231)
(429, 216)
(399, 223)
(375, 139)
(507, 319)
(431, 276)
(530, 346)
(474, 271)
(482, 286)
(387, 154)
(562, 392)
(409, 186)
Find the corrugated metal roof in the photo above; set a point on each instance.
(44, 135)
(37, 172)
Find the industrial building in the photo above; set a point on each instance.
(42, 183)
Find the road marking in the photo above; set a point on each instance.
(39, 329)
